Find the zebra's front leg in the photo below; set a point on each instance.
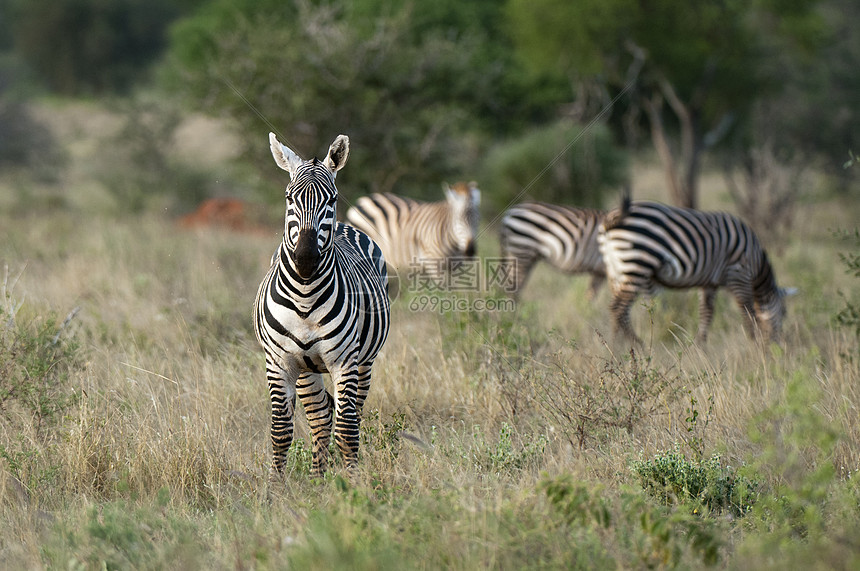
(282, 393)
(362, 387)
(744, 298)
(319, 409)
(707, 297)
(347, 421)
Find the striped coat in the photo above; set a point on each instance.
(419, 235)
(646, 245)
(563, 236)
(321, 308)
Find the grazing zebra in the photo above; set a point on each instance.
(418, 234)
(646, 245)
(322, 307)
(564, 236)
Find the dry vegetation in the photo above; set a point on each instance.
(138, 433)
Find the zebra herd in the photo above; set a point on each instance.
(323, 306)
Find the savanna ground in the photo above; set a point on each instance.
(134, 434)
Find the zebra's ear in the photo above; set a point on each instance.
(338, 152)
(450, 194)
(284, 156)
(475, 193)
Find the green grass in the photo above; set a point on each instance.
(139, 438)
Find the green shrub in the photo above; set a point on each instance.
(671, 478)
(35, 394)
(561, 163)
(849, 316)
(635, 534)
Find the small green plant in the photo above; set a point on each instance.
(696, 427)
(379, 435)
(504, 456)
(671, 478)
(849, 316)
(35, 396)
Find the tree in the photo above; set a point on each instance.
(89, 46)
(693, 69)
(413, 84)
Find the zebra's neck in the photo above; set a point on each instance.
(765, 290)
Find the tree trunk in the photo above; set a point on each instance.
(683, 190)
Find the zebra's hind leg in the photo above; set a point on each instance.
(594, 286)
(707, 297)
(619, 307)
(319, 408)
(282, 393)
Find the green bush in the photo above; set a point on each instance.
(561, 163)
(92, 46)
(671, 478)
(849, 315)
(35, 393)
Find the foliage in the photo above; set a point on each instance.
(627, 392)
(140, 168)
(694, 68)
(35, 394)
(405, 92)
(35, 361)
(560, 163)
(670, 477)
(849, 315)
(650, 536)
(504, 457)
(95, 46)
(26, 142)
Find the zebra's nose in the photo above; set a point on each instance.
(470, 249)
(307, 254)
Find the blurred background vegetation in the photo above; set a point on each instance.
(540, 99)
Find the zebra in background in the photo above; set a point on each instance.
(421, 235)
(646, 245)
(564, 236)
(322, 308)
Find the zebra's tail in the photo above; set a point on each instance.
(614, 217)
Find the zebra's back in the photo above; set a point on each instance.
(679, 247)
(563, 236)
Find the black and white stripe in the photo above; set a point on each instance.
(646, 245)
(322, 308)
(421, 234)
(563, 236)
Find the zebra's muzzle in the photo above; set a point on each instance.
(307, 254)
(469, 252)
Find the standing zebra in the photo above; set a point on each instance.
(322, 307)
(564, 236)
(646, 245)
(414, 233)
